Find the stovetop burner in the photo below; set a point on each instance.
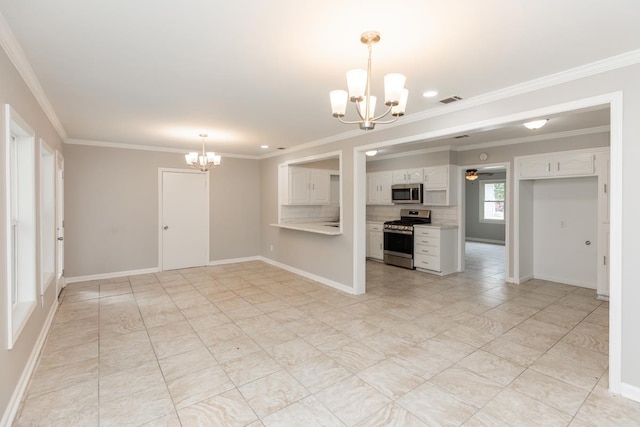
(409, 218)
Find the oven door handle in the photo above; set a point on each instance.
(407, 233)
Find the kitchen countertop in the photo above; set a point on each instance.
(438, 226)
(327, 228)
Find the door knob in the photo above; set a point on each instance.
(61, 238)
(166, 227)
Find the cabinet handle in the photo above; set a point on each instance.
(558, 166)
(548, 167)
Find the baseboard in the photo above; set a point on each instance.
(564, 281)
(630, 391)
(524, 279)
(14, 404)
(302, 273)
(480, 240)
(110, 275)
(320, 279)
(235, 260)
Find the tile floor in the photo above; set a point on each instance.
(252, 345)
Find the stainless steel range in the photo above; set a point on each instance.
(398, 236)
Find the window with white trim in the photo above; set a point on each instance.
(492, 203)
(21, 223)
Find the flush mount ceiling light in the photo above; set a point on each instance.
(430, 93)
(204, 161)
(359, 86)
(536, 124)
(471, 174)
(371, 153)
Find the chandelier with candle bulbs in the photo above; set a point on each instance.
(359, 86)
(204, 161)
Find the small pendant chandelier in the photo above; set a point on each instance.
(204, 161)
(359, 85)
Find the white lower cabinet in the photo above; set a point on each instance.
(375, 240)
(435, 249)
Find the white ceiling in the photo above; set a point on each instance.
(252, 72)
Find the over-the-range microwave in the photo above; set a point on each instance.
(406, 193)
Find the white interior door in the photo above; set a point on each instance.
(60, 283)
(184, 219)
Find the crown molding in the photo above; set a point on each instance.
(593, 68)
(502, 143)
(122, 146)
(535, 138)
(11, 46)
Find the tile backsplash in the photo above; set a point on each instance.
(297, 214)
(439, 214)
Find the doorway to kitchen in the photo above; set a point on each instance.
(183, 219)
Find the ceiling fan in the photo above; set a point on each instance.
(473, 174)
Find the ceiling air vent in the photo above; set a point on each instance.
(461, 136)
(450, 99)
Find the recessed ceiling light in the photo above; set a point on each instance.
(536, 124)
(430, 93)
(264, 146)
(371, 153)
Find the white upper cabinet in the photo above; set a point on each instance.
(557, 166)
(440, 185)
(379, 188)
(436, 177)
(308, 186)
(320, 185)
(575, 164)
(407, 176)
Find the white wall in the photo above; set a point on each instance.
(565, 216)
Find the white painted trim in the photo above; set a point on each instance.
(564, 281)
(124, 146)
(234, 260)
(14, 51)
(509, 193)
(493, 144)
(615, 243)
(113, 275)
(18, 393)
(630, 392)
(479, 240)
(314, 277)
(535, 138)
(359, 221)
(524, 279)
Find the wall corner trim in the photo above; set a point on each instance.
(16, 398)
(630, 391)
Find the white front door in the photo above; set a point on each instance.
(60, 283)
(184, 219)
